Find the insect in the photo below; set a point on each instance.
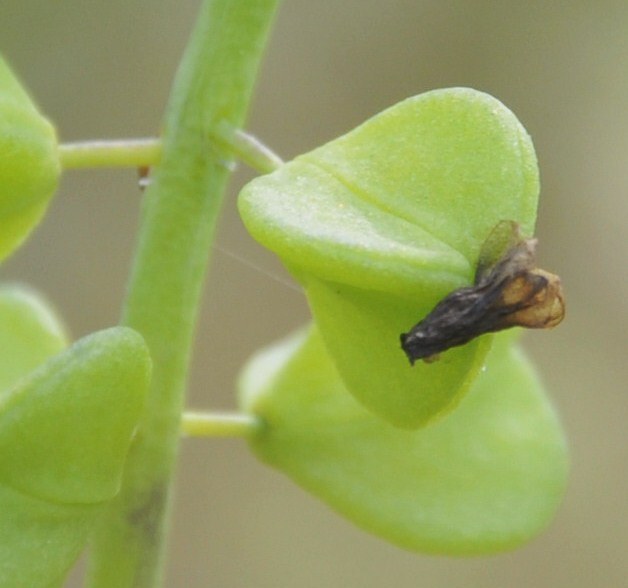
(508, 291)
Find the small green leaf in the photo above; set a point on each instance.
(484, 478)
(381, 223)
(29, 162)
(66, 428)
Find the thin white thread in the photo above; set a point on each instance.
(248, 263)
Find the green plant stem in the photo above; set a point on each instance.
(247, 148)
(147, 152)
(119, 153)
(215, 424)
(213, 84)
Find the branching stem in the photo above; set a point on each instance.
(147, 152)
(179, 214)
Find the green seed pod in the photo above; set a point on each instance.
(65, 430)
(485, 478)
(381, 223)
(29, 162)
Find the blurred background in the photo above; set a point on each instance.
(103, 70)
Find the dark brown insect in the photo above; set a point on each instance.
(508, 291)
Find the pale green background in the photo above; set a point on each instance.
(102, 69)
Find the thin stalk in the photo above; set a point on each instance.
(213, 84)
(216, 424)
(147, 152)
(247, 148)
(118, 153)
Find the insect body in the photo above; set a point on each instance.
(508, 291)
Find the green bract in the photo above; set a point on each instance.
(65, 429)
(381, 223)
(29, 162)
(485, 478)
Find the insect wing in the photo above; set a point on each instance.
(504, 236)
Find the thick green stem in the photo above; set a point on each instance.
(212, 87)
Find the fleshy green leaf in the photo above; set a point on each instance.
(29, 162)
(66, 428)
(485, 478)
(384, 221)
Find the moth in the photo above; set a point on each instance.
(508, 290)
